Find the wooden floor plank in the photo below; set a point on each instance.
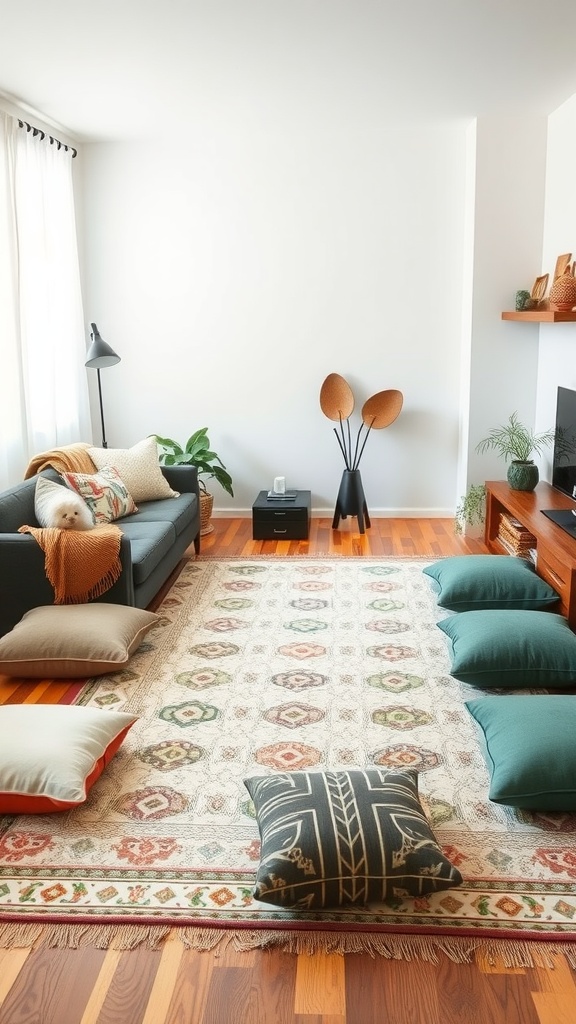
(320, 984)
(47, 991)
(552, 1008)
(8, 686)
(191, 987)
(99, 992)
(561, 979)
(380, 990)
(11, 963)
(130, 987)
(164, 981)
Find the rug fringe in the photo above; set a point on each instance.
(76, 936)
(427, 948)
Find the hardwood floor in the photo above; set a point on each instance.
(173, 985)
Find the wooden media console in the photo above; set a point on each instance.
(555, 549)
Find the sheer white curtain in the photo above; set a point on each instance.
(43, 385)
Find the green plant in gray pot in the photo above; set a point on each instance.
(517, 444)
(197, 452)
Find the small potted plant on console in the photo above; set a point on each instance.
(517, 444)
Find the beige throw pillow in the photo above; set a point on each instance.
(138, 467)
(74, 640)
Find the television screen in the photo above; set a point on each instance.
(564, 460)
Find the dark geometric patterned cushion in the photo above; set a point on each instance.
(331, 838)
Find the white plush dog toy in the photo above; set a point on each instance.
(60, 507)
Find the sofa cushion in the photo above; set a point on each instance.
(511, 648)
(52, 754)
(331, 838)
(74, 640)
(138, 467)
(17, 503)
(149, 543)
(179, 511)
(528, 744)
(470, 582)
(105, 494)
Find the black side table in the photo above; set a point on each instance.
(281, 519)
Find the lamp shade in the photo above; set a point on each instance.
(100, 354)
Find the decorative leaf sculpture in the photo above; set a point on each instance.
(337, 403)
(336, 398)
(382, 409)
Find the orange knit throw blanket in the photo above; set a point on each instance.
(79, 565)
(71, 458)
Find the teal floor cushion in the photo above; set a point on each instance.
(470, 582)
(528, 742)
(511, 649)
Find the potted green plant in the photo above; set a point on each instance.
(471, 509)
(517, 443)
(197, 452)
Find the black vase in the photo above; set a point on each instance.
(351, 500)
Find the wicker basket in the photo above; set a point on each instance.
(206, 505)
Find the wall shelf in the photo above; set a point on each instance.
(542, 316)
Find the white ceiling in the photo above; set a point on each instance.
(118, 69)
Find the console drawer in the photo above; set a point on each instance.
(556, 573)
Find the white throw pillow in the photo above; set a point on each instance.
(60, 508)
(52, 754)
(138, 467)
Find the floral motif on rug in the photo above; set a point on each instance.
(259, 666)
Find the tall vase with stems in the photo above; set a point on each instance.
(337, 403)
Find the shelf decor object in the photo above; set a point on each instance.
(558, 307)
(562, 266)
(379, 411)
(538, 293)
(563, 292)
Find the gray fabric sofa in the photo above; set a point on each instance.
(154, 540)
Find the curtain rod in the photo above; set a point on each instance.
(43, 135)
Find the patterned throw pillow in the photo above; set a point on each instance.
(105, 494)
(332, 838)
(138, 467)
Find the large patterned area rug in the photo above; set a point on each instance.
(272, 664)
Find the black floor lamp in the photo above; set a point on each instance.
(100, 355)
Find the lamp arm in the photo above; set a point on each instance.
(104, 441)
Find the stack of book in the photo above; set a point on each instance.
(514, 537)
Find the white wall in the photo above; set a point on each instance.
(557, 362)
(507, 162)
(235, 268)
